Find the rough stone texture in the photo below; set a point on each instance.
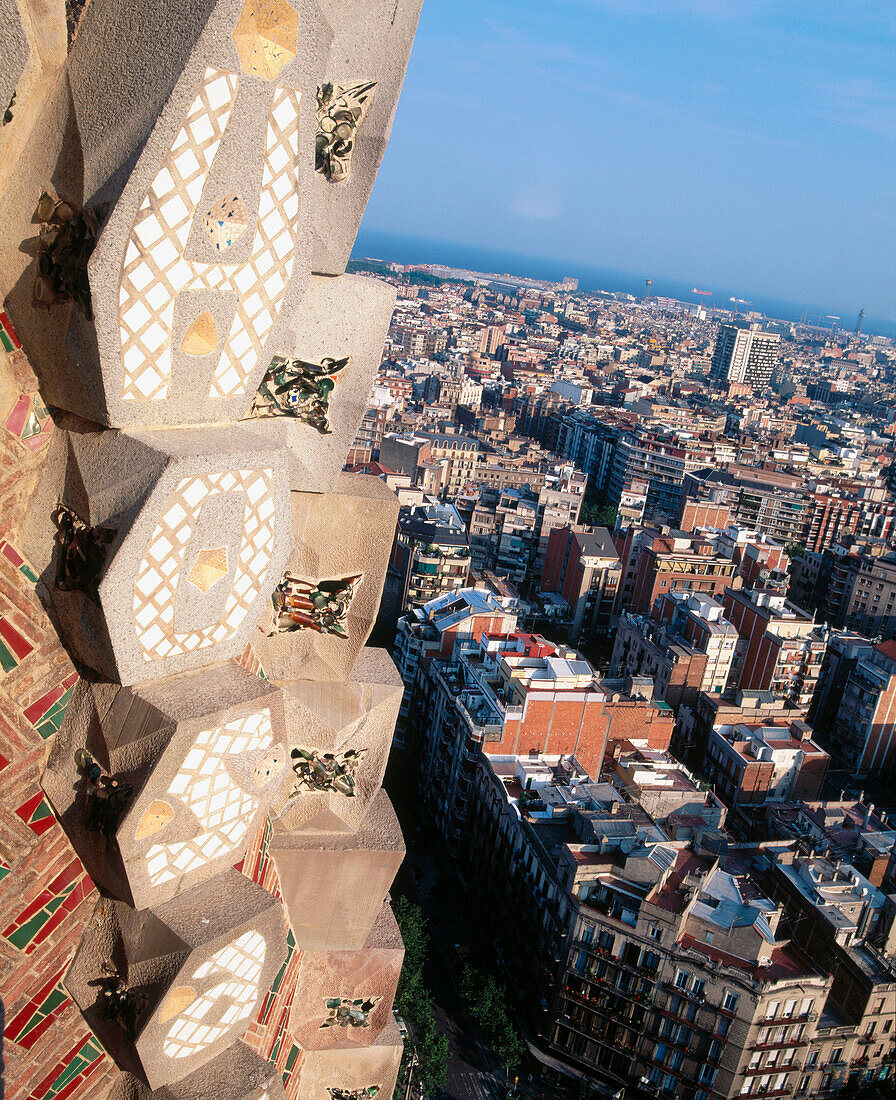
(237, 1074)
(335, 717)
(87, 152)
(334, 884)
(338, 535)
(206, 957)
(347, 316)
(357, 1068)
(32, 51)
(372, 972)
(168, 496)
(160, 739)
(371, 41)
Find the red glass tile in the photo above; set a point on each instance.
(37, 710)
(19, 645)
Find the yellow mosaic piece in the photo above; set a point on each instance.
(201, 337)
(266, 37)
(156, 816)
(210, 566)
(176, 1001)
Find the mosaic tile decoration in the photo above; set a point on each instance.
(155, 270)
(8, 339)
(201, 338)
(43, 914)
(266, 37)
(210, 566)
(13, 646)
(226, 222)
(223, 810)
(239, 965)
(30, 421)
(159, 571)
(15, 558)
(47, 712)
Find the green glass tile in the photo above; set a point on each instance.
(7, 660)
(43, 810)
(29, 573)
(21, 937)
(291, 1060)
(55, 999)
(4, 871)
(5, 341)
(47, 729)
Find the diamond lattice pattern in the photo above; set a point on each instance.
(155, 270)
(160, 568)
(241, 962)
(204, 785)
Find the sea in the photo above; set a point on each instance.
(372, 244)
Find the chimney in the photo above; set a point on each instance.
(869, 810)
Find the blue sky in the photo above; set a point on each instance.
(748, 144)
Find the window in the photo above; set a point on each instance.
(676, 1060)
(812, 1060)
(837, 1054)
(806, 1006)
(682, 979)
(887, 1025)
(715, 1049)
(707, 1074)
(729, 1001)
(869, 1031)
(659, 1052)
(771, 1010)
(804, 1082)
(709, 937)
(789, 1009)
(826, 1081)
(699, 986)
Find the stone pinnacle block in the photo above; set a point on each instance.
(340, 734)
(340, 320)
(359, 1073)
(187, 242)
(343, 999)
(237, 1074)
(168, 989)
(334, 884)
(158, 550)
(32, 51)
(371, 44)
(177, 777)
(326, 604)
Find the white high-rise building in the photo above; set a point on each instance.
(745, 353)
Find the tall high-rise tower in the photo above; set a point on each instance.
(745, 353)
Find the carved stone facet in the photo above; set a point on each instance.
(196, 761)
(193, 970)
(339, 536)
(170, 498)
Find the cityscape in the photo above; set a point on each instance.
(641, 598)
(447, 651)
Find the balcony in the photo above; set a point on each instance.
(780, 1046)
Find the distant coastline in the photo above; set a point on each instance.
(417, 250)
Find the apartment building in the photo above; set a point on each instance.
(745, 354)
(656, 561)
(430, 555)
(784, 648)
(439, 628)
(514, 693)
(753, 765)
(581, 564)
(687, 647)
(864, 730)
